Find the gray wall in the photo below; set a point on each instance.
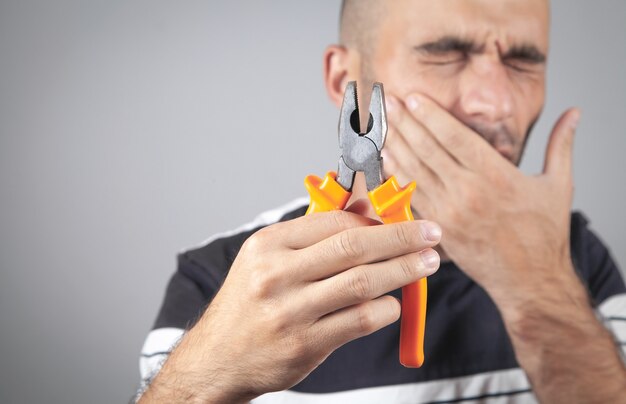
(132, 129)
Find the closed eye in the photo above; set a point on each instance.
(444, 58)
(446, 50)
(525, 58)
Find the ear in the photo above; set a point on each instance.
(341, 65)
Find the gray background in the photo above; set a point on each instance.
(132, 129)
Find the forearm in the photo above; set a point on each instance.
(567, 354)
(188, 378)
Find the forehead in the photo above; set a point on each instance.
(508, 21)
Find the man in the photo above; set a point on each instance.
(513, 309)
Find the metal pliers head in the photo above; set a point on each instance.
(360, 151)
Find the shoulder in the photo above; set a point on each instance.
(218, 252)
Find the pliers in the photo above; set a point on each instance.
(392, 203)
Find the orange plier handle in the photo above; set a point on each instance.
(392, 204)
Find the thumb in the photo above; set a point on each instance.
(558, 162)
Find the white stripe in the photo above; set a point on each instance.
(264, 219)
(159, 340)
(618, 328)
(438, 390)
(615, 306)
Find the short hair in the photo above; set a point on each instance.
(358, 27)
(359, 22)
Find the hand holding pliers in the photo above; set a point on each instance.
(392, 203)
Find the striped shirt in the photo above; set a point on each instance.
(469, 356)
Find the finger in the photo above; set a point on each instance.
(310, 229)
(466, 146)
(423, 205)
(558, 161)
(423, 195)
(336, 329)
(366, 282)
(420, 140)
(364, 245)
(408, 166)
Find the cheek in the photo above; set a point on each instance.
(440, 85)
(401, 76)
(529, 100)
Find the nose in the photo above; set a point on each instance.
(485, 91)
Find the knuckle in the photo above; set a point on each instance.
(249, 245)
(341, 219)
(359, 285)
(409, 265)
(405, 235)
(366, 319)
(257, 241)
(263, 284)
(260, 290)
(347, 244)
(395, 310)
(297, 350)
(294, 348)
(279, 318)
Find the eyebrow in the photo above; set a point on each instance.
(449, 44)
(526, 52)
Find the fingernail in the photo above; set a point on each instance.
(412, 103)
(430, 258)
(391, 103)
(432, 231)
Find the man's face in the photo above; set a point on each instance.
(482, 60)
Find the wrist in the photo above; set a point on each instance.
(541, 292)
(549, 311)
(562, 346)
(191, 377)
(545, 308)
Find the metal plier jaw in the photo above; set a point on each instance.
(392, 203)
(361, 151)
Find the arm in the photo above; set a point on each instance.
(297, 291)
(567, 354)
(602, 279)
(520, 225)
